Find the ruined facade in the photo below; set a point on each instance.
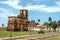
(20, 22)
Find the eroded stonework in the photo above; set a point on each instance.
(20, 22)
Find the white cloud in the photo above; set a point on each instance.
(14, 4)
(43, 8)
(51, 9)
(5, 13)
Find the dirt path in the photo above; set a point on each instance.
(41, 37)
(34, 37)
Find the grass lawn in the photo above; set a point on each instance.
(21, 33)
(8, 33)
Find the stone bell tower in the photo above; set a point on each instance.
(24, 14)
(24, 17)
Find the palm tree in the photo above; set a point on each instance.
(2, 26)
(38, 20)
(50, 19)
(49, 23)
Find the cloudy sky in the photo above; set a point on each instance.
(37, 9)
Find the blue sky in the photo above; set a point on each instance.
(37, 9)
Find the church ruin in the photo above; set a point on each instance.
(18, 23)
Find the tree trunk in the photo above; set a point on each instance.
(54, 29)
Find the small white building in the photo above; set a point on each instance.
(38, 27)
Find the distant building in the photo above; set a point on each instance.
(3, 28)
(32, 25)
(20, 22)
(39, 27)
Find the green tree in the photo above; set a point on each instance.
(50, 19)
(28, 21)
(33, 24)
(32, 21)
(58, 23)
(54, 25)
(45, 23)
(38, 20)
(49, 23)
(2, 25)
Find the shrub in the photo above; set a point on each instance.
(41, 32)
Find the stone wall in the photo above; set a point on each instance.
(20, 22)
